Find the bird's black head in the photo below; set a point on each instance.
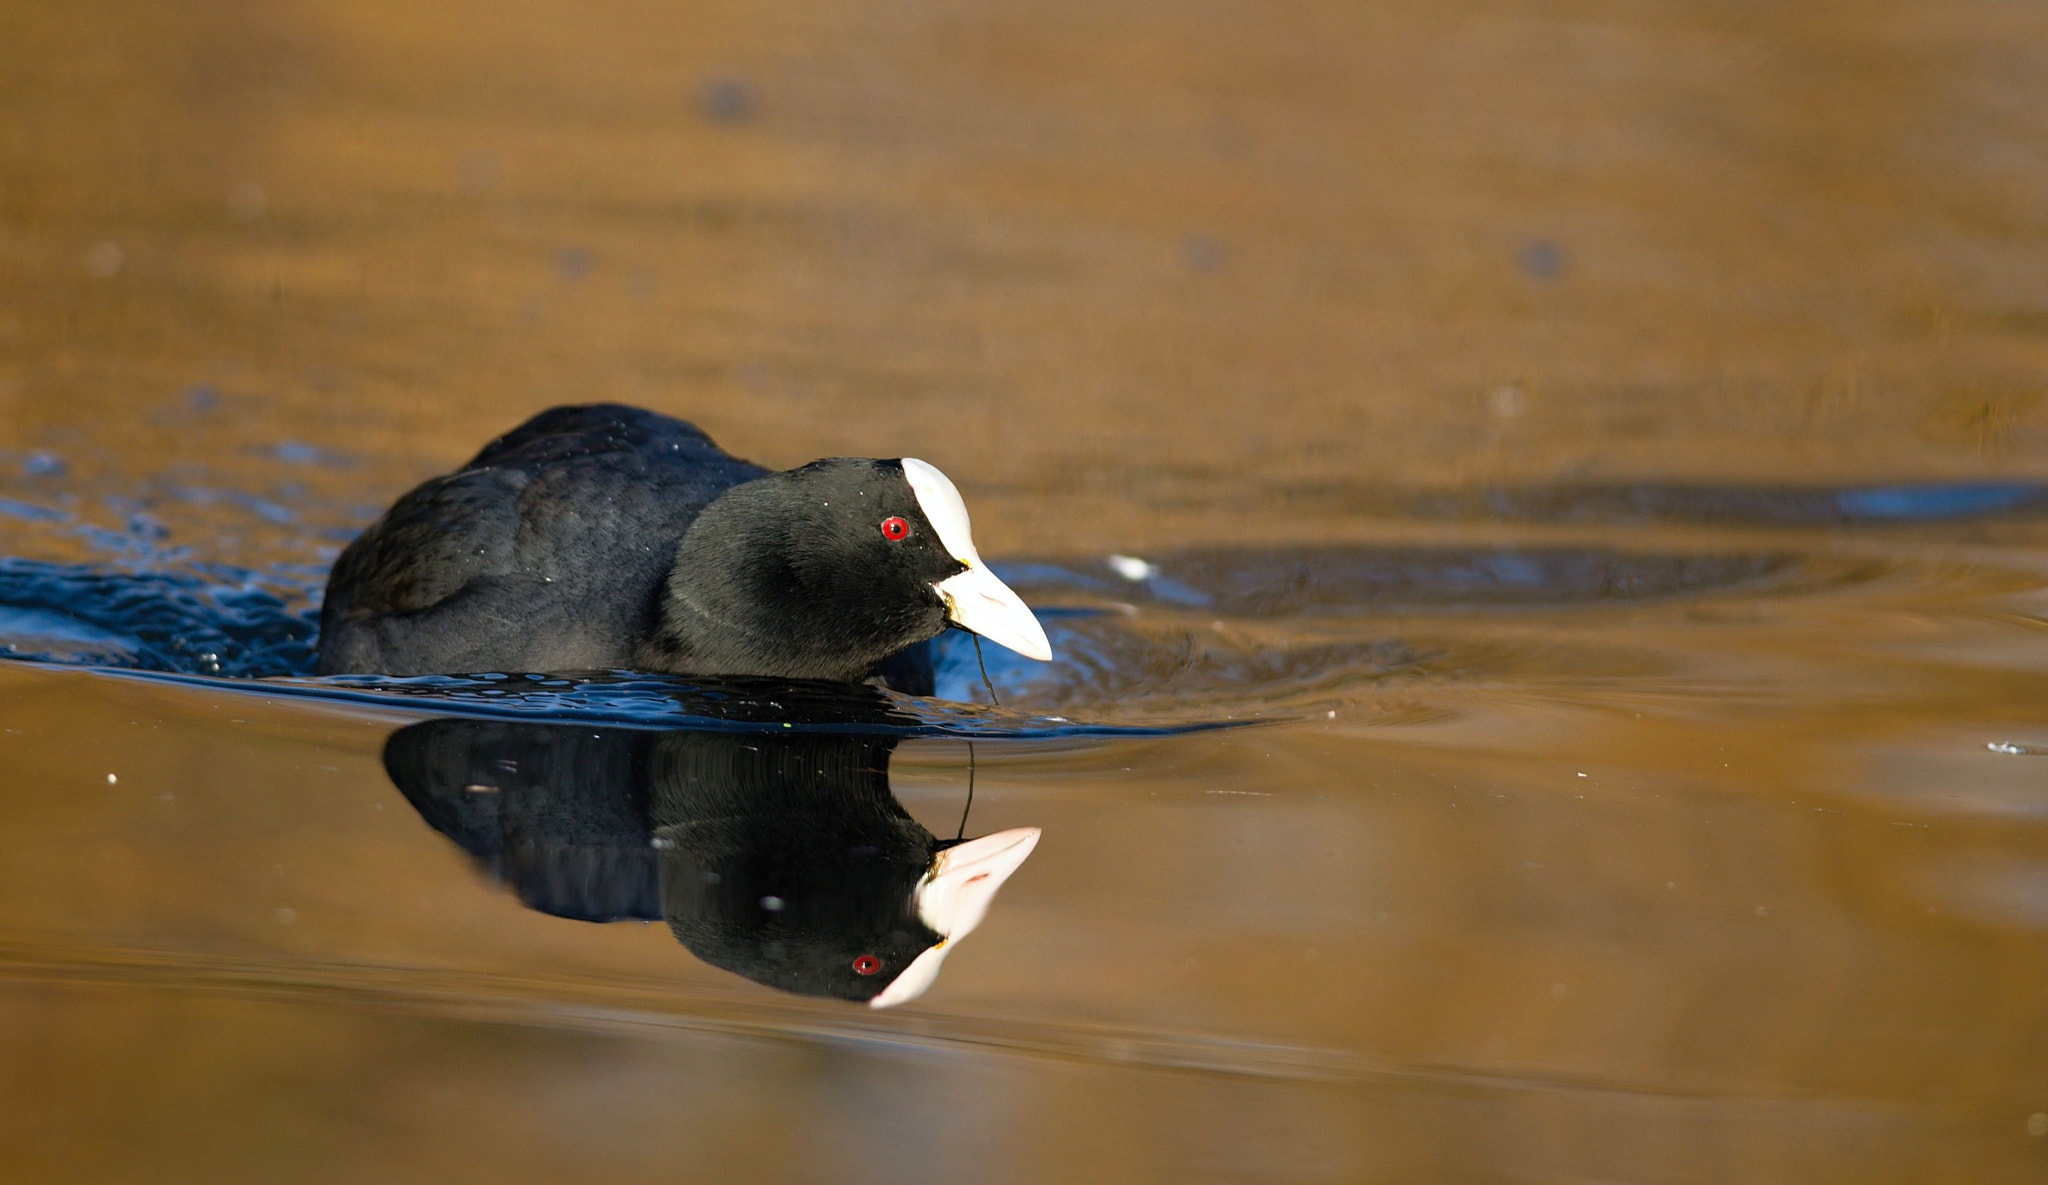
(822, 572)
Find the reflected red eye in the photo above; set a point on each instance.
(895, 527)
(868, 964)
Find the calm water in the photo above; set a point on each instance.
(1543, 518)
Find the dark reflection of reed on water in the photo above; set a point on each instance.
(778, 855)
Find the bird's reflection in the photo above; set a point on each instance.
(781, 856)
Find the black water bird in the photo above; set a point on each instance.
(779, 856)
(604, 537)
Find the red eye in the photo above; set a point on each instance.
(868, 964)
(895, 527)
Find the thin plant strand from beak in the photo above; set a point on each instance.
(977, 601)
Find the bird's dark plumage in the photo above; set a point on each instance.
(605, 536)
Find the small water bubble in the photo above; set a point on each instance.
(247, 202)
(1201, 253)
(727, 100)
(573, 263)
(103, 259)
(41, 464)
(477, 171)
(772, 903)
(112, 780)
(1541, 259)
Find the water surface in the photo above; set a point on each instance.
(1540, 517)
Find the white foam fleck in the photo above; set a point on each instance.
(1131, 568)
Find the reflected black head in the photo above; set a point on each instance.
(789, 862)
(816, 573)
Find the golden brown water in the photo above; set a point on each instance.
(1532, 412)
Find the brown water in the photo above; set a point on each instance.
(1592, 445)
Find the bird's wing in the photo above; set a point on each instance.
(433, 543)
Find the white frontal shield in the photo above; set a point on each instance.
(975, 599)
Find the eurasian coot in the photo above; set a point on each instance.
(605, 536)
